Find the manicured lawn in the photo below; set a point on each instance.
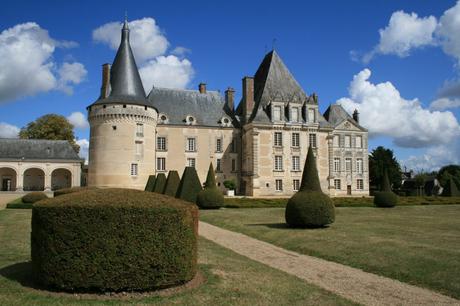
(18, 204)
(415, 244)
(231, 278)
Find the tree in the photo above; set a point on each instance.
(449, 172)
(51, 127)
(379, 160)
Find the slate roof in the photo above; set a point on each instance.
(336, 114)
(207, 108)
(37, 149)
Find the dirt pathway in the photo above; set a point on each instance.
(353, 284)
(6, 197)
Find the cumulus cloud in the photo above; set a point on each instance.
(434, 158)
(149, 46)
(71, 74)
(78, 120)
(445, 103)
(384, 112)
(26, 61)
(84, 147)
(8, 130)
(448, 30)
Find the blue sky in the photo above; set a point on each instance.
(324, 44)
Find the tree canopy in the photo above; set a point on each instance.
(379, 160)
(51, 127)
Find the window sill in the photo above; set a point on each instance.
(278, 170)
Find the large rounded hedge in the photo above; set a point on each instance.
(113, 240)
(309, 209)
(33, 197)
(63, 191)
(385, 199)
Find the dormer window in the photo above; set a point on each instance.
(163, 118)
(225, 121)
(294, 114)
(190, 120)
(311, 115)
(277, 113)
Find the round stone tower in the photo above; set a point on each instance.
(122, 125)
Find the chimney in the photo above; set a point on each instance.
(105, 88)
(202, 88)
(229, 99)
(248, 97)
(356, 116)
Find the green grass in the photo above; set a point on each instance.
(18, 204)
(231, 278)
(415, 244)
(339, 202)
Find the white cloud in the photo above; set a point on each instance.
(84, 147)
(71, 74)
(385, 112)
(26, 61)
(448, 31)
(147, 40)
(166, 71)
(78, 120)
(434, 158)
(445, 103)
(180, 51)
(8, 130)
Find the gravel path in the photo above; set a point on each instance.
(353, 284)
(6, 197)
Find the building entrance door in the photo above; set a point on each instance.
(6, 184)
(348, 189)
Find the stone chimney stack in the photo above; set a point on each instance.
(230, 99)
(202, 88)
(356, 116)
(248, 97)
(105, 88)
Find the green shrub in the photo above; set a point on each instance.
(385, 199)
(63, 191)
(210, 197)
(150, 183)
(19, 205)
(309, 207)
(450, 190)
(189, 185)
(230, 184)
(160, 183)
(172, 183)
(33, 197)
(113, 240)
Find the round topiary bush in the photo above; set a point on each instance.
(33, 197)
(113, 240)
(309, 209)
(210, 197)
(63, 191)
(385, 199)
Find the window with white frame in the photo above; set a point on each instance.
(359, 165)
(161, 164)
(295, 163)
(191, 162)
(279, 185)
(233, 165)
(139, 148)
(134, 169)
(348, 164)
(139, 130)
(312, 139)
(161, 143)
(218, 165)
(219, 145)
(295, 185)
(295, 114)
(347, 141)
(278, 163)
(359, 184)
(191, 144)
(359, 142)
(337, 184)
(337, 164)
(277, 113)
(295, 140)
(311, 115)
(335, 141)
(278, 139)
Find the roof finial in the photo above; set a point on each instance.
(125, 25)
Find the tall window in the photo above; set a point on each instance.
(191, 162)
(233, 145)
(337, 184)
(139, 130)
(359, 184)
(161, 164)
(311, 115)
(312, 138)
(335, 141)
(295, 185)
(295, 140)
(337, 164)
(359, 165)
(139, 148)
(161, 143)
(295, 163)
(348, 164)
(277, 113)
(218, 165)
(359, 142)
(278, 139)
(191, 145)
(233, 165)
(133, 169)
(219, 145)
(347, 141)
(279, 185)
(278, 163)
(295, 114)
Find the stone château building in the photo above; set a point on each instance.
(261, 144)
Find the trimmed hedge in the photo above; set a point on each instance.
(160, 183)
(450, 190)
(33, 197)
(63, 191)
(210, 197)
(189, 185)
(113, 240)
(385, 199)
(172, 183)
(150, 183)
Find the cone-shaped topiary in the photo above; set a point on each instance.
(150, 183)
(450, 190)
(189, 185)
(386, 197)
(309, 207)
(210, 197)
(172, 183)
(160, 183)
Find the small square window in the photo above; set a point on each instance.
(134, 170)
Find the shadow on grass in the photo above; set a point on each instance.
(271, 225)
(20, 272)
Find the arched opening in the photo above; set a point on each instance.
(61, 178)
(7, 179)
(34, 180)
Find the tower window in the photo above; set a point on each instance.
(134, 169)
(219, 145)
(139, 130)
